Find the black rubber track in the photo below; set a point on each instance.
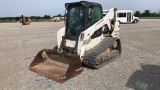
(89, 59)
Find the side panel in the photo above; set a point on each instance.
(60, 33)
(115, 32)
(94, 42)
(122, 19)
(85, 36)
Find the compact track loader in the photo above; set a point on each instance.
(55, 19)
(88, 38)
(25, 20)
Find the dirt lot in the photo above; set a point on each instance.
(138, 68)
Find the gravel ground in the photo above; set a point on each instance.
(138, 68)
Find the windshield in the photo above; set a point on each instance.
(75, 22)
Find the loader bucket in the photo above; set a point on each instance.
(57, 66)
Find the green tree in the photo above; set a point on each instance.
(46, 17)
(17, 18)
(158, 13)
(154, 14)
(10, 18)
(137, 14)
(36, 18)
(59, 15)
(146, 13)
(33, 17)
(3, 19)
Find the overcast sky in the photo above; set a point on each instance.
(9, 8)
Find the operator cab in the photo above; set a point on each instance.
(80, 16)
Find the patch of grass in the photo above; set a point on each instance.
(7, 21)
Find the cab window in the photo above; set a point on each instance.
(121, 14)
(94, 15)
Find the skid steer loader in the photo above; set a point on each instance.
(25, 20)
(88, 38)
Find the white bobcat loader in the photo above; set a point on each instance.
(88, 38)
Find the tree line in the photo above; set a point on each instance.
(147, 13)
(32, 17)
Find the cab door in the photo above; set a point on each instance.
(129, 16)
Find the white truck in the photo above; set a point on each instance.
(124, 16)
